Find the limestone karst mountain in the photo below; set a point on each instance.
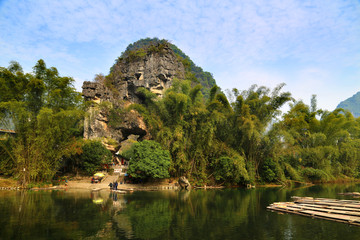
(152, 66)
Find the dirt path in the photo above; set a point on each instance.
(85, 183)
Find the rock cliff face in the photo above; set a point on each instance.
(153, 70)
(96, 91)
(97, 125)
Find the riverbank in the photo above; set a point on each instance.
(84, 183)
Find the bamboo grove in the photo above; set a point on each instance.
(47, 115)
(242, 137)
(234, 138)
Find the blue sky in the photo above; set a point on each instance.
(312, 46)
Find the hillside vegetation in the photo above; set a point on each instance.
(199, 134)
(352, 104)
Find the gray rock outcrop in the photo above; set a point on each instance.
(153, 70)
(97, 125)
(96, 91)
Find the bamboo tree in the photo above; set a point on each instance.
(46, 116)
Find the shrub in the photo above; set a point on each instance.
(268, 173)
(94, 155)
(148, 160)
(230, 169)
(314, 174)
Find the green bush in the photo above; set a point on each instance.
(94, 155)
(268, 173)
(314, 174)
(291, 172)
(148, 160)
(231, 169)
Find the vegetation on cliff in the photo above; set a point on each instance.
(140, 48)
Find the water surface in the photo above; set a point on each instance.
(199, 214)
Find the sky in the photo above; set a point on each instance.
(313, 46)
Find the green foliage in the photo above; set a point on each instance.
(253, 112)
(7, 161)
(268, 172)
(291, 172)
(195, 73)
(153, 44)
(93, 156)
(209, 137)
(187, 127)
(141, 48)
(230, 169)
(200, 134)
(324, 145)
(148, 160)
(46, 113)
(315, 175)
(116, 116)
(146, 96)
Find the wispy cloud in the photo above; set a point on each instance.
(221, 36)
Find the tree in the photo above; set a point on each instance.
(148, 160)
(46, 112)
(191, 130)
(319, 145)
(99, 78)
(230, 169)
(254, 111)
(93, 156)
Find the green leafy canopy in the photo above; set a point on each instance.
(148, 160)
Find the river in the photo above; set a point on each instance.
(198, 214)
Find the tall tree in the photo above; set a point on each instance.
(46, 113)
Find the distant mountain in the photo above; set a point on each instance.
(352, 104)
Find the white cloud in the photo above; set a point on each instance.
(242, 80)
(224, 37)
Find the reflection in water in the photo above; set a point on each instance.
(45, 215)
(199, 214)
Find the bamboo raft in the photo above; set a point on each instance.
(345, 211)
(353, 194)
